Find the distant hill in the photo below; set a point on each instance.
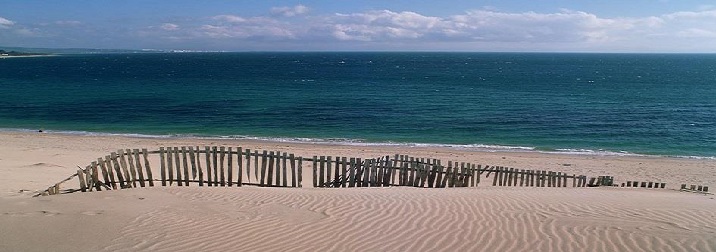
(44, 51)
(16, 53)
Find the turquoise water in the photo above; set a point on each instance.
(655, 104)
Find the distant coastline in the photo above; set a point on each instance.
(16, 54)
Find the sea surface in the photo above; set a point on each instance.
(611, 104)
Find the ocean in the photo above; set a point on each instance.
(603, 104)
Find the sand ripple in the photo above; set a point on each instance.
(412, 219)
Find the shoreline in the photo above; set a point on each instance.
(490, 148)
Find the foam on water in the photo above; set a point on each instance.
(361, 142)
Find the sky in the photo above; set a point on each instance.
(670, 26)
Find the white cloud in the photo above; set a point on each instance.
(380, 25)
(691, 15)
(474, 29)
(290, 11)
(5, 23)
(229, 18)
(169, 27)
(238, 27)
(697, 33)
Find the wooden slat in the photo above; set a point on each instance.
(132, 169)
(192, 161)
(402, 173)
(269, 176)
(199, 170)
(300, 171)
(177, 161)
(125, 171)
(337, 173)
(500, 174)
(450, 174)
(365, 176)
(138, 164)
(559, 179)
(170, 165)
(417, 165)
(221, 173)
(229, 167)
(373, 176)
(110, 171)
(239, 167)
(420, 165)
(209, 181)
(574, 180)
(278, 169)
(507, 177)
(478, 175)
(284, 160)
(185, 165)
(321, 167)
(469, 180)
(379, 172)
(95, 176)
(447, 179)
(329, 170)
(292, 159)
(264, 156)
(432, 173)
(163, 169)
(510, 173)
(105, 174)
(112, 162)
(256, 165)
(390, 172)
(326, 173)
(81, 177)
(439, 174)
(344, 167)
(215, 165)
(411, 172)
(222, 157)
(248, 165)
(352, 173)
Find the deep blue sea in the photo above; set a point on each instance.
(652, 104)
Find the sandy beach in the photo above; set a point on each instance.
(483, 218)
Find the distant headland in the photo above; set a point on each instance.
(4, 54)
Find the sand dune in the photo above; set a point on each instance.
(352, 219)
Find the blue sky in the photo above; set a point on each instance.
(371, 25)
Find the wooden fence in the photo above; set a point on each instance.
(403, 170)
(182, 166)
(227, 167)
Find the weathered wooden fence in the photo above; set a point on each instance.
(403, 170)
(182, 166)
(227, 167)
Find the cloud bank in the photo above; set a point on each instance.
(291, 28)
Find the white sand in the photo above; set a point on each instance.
(485, 218)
